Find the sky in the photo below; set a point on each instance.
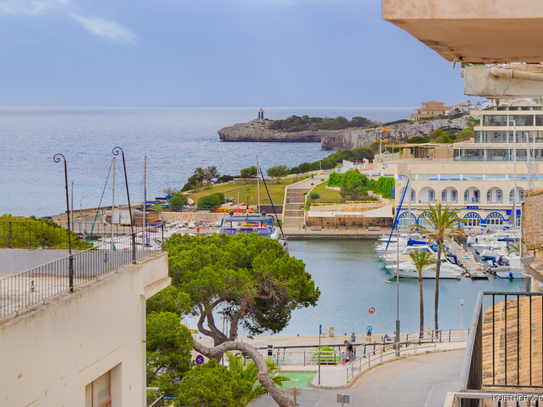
(214, 53)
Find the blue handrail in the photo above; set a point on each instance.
(395, 224)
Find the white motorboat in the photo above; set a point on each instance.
(408, 270)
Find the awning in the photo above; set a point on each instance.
(384, 212)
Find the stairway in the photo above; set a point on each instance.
(293, 208)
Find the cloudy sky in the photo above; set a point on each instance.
(214, 53)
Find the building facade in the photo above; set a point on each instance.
(82, 348)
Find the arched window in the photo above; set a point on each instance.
(472, 195)
(494, 218)
(472, 219)
(520, 195)
(423, 221)
(406, 195)
(403, 220)
(427, 195)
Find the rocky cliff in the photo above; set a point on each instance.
(356, 138)
(257, 130)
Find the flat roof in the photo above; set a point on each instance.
(480, 32)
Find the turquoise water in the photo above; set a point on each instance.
(352, 279)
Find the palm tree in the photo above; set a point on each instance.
(421, 260)
(440, 226)
(249, 372)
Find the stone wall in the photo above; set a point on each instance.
(200, 216)
(357, 138)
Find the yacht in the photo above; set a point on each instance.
(408, 270)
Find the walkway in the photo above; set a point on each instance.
(295, 200)
(421, 381)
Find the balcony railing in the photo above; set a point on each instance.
(35, 286)
(504, 349)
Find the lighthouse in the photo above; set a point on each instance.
(261, 114)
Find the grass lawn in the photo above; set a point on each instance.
(247, 192)
(332, 196)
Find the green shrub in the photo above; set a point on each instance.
(335, 179)
(177, 202)
(212, 201)
(354, 184)
(314, 195)
(384, 186)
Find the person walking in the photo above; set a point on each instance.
(350, 351)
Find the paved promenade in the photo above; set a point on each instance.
(342, 232)
(421, 381)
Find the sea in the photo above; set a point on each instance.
(175, 141)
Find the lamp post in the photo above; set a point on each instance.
(461, 318)
(56, 158)
(116, 151)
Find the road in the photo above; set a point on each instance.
(422, 381)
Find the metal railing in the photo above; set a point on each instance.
(388, 352)
(506, 327)
(34, 286)
(307, 355)
(159, 402)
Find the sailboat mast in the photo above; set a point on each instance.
(145, 196)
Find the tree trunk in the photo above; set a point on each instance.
(438, 267)
(263, 375)
(421, 308)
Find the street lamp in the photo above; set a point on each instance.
(461, 318)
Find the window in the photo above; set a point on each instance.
(539, 120)
(431, 195)
(403, 220)
(444, 196)
(520, 195)
(472, 219)
(489, 196)
(499, 195)
(494, 219)
(98, 393)
(454, 194)
(521, 119)
(495, 120)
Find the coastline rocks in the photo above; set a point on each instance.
(357, 138)
(257, 130)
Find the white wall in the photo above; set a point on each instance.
(50, 353)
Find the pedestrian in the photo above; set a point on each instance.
(368, 333)
(353, 338)
(350, 351)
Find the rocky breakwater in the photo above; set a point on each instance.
(258, 130)
(357, 138)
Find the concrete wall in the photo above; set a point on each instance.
(51, 352)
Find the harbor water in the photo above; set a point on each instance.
(352, 279)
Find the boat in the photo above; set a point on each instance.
(408, 270)
(510, 274)
(263, 225)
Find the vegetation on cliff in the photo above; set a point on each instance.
(334, 159)
(294, 124)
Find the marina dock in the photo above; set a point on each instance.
(473, 269)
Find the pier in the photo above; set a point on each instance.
(473, 269)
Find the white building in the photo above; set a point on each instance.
(81, 348)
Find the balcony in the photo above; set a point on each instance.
(503, 354)
(481, 32)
